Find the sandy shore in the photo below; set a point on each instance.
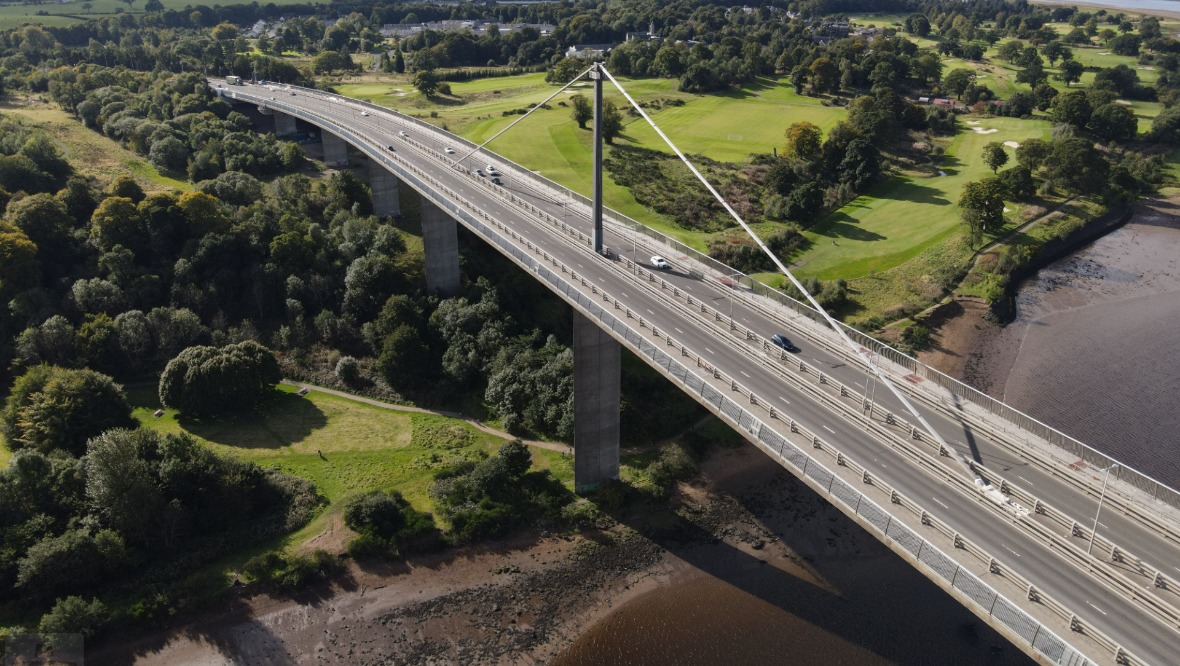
(1090, 350)
(751, 566)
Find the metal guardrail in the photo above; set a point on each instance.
(1152, 487)
(1037, 636)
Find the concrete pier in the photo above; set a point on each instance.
(440, 241)
(596, 405)
(284, 124)
(335, 149)
(384, 186)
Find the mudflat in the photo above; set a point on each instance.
(1092, 349)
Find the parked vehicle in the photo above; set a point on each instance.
(660, 263)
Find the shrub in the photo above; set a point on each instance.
(348, 370)
(281, 572)
(61, 408)
(74, 615)
(203, 381)
(674, 464)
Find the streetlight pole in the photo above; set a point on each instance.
(1101, 497)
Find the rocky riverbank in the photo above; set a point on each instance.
(746, 549)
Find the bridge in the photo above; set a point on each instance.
(1072, 556)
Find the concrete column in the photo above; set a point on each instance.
(596, 405)
(440, 241)
(284, 124)
(384, 187)
(335, 149)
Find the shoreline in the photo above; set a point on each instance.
(748, 537)
(1088, 4)
(1091, 321)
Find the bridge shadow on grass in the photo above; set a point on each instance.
(865, 595)
(284, 420)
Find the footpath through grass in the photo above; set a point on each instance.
(345, 446)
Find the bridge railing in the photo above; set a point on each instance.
(891, 531)
(1150, 486)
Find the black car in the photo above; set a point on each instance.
(783, 341)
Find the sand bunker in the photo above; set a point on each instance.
(973, 122)
(980, 130)
(1007, 209)
(1012, 144)
(1123, 102)
(941, 172)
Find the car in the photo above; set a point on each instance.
(449, 150)
(783, 341)
(402, 133)
(364, 113)
(492, 170)
(292, 93)
(389, 148)
(479, 172)
(496, 181)
(660, 263)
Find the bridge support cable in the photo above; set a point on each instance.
(860, 352)
(526, 115)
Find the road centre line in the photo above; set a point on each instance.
(1010, 550)
(1095, 608)
(940, 503)
(829, 430)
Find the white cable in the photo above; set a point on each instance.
(861, 352)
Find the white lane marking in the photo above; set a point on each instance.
(830, 430)
(624, 294)
(1095, 608)
(784, 400)
(1010, 550)
(1024, 479)
(1104, 524)
(678, 330)
(860, 385)
(745, 373)
(710, 350)
(581, 266)
(649, 311)
(940, 503)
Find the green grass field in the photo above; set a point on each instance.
(91, 153)
(906, 215)
(727, 127)
(68, 13)
(344, 446)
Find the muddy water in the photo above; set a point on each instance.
(1096, 344)
(827, 593)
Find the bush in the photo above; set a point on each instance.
(74, 615)
(281, 572)
(348, 370)
(204, 381)
(674, 464)
(369, 547)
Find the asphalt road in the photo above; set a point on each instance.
(1119, 618)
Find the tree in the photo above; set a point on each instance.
(1033, 152)
(399, 61)
(204, 381)
(224, 32)
(1072, 109)
(376, 513)
(1071, 72)
(825, 76)
(1033, 74)
(74, 560)
(982, 207)
(74, 615)
(169, 154)
(1077, 165)
(19, 268)
(583, 110)
(957, 80)
(994, 156)
(804, 141)
(612, 122)
(1114, 122)
(426, 81)
(52, 408)
(116, 221)
(1165, 128)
